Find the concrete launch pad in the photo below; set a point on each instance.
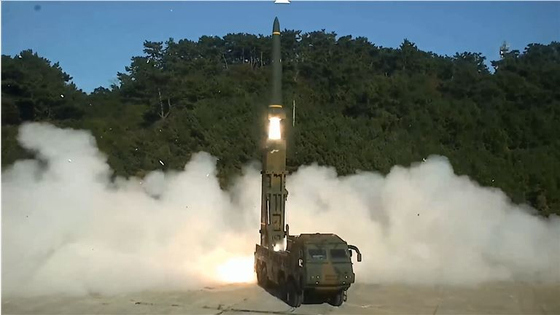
(496, 298)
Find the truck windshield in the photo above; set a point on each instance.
(338, 254)
(318, 254)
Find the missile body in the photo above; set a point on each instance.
(274, 193)
(276, 65)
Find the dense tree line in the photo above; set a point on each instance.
(359, 106)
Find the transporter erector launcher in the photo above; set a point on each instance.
(301, 267)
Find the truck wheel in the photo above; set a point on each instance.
(259, 275)
(262, 277)
(299, 295)
(282, 288)
(294, 298)
(338, 299)
(300, 292)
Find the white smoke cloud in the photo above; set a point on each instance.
(67, 228)
(425, 225)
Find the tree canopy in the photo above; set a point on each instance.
(359, 107)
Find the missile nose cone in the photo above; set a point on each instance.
(276, 26)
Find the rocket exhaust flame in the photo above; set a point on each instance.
(274, 129)
(236, 270)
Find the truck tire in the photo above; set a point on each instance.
(294, 297)
(282, 288)
(299, 295)
(259, 274)
(262, 276)
(337, 299)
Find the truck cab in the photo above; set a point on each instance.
(313, 267)
(325, 266)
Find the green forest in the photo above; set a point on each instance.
(358, 107)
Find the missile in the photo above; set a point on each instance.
(274, 193)
(275, 107)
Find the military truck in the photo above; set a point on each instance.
(312, 266)
(304, 266)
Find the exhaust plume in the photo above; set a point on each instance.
(68, 228)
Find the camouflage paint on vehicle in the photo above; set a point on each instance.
(323, 271)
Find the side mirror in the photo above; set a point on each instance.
(352, 247)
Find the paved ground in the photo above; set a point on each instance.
(498, 298)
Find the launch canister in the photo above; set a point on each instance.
(274, 193)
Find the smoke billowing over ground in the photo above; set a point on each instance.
(67, 228)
